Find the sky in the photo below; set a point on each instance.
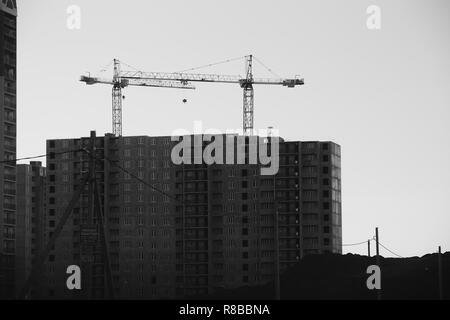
(383, 95)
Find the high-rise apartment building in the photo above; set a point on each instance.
(8, 14)
(214, 226)
(30, 218)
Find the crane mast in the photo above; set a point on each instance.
(247, 85)
(117, 101)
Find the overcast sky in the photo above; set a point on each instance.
(383, 95)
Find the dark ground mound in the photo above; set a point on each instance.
(335, 276)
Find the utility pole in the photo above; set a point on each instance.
(277, 245)
(441, 280)
(378, 259)
(277, 258)
(95, 218)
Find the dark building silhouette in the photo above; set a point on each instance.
(8, 13)
(214, 227)
(30, 219)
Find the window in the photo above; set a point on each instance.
(309, 181)
(310, 228)
(310, 241)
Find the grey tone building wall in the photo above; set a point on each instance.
(226, 224)
(8, 14)
(214, 229)
(29, 218)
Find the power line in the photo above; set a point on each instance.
(39, 156)
(390, 250)
(156, 189)
(113, 163)
(356, 244)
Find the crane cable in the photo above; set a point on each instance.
(211, 64)
(268, 69)
(106, 66)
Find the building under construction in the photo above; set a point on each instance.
(174, 231)
(8, 26)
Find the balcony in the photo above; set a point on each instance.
(9, 192)
(10, 23)
(10, 221)
(10, 148)
(10, 177)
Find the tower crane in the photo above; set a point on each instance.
(183, 80)
(118, 83)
